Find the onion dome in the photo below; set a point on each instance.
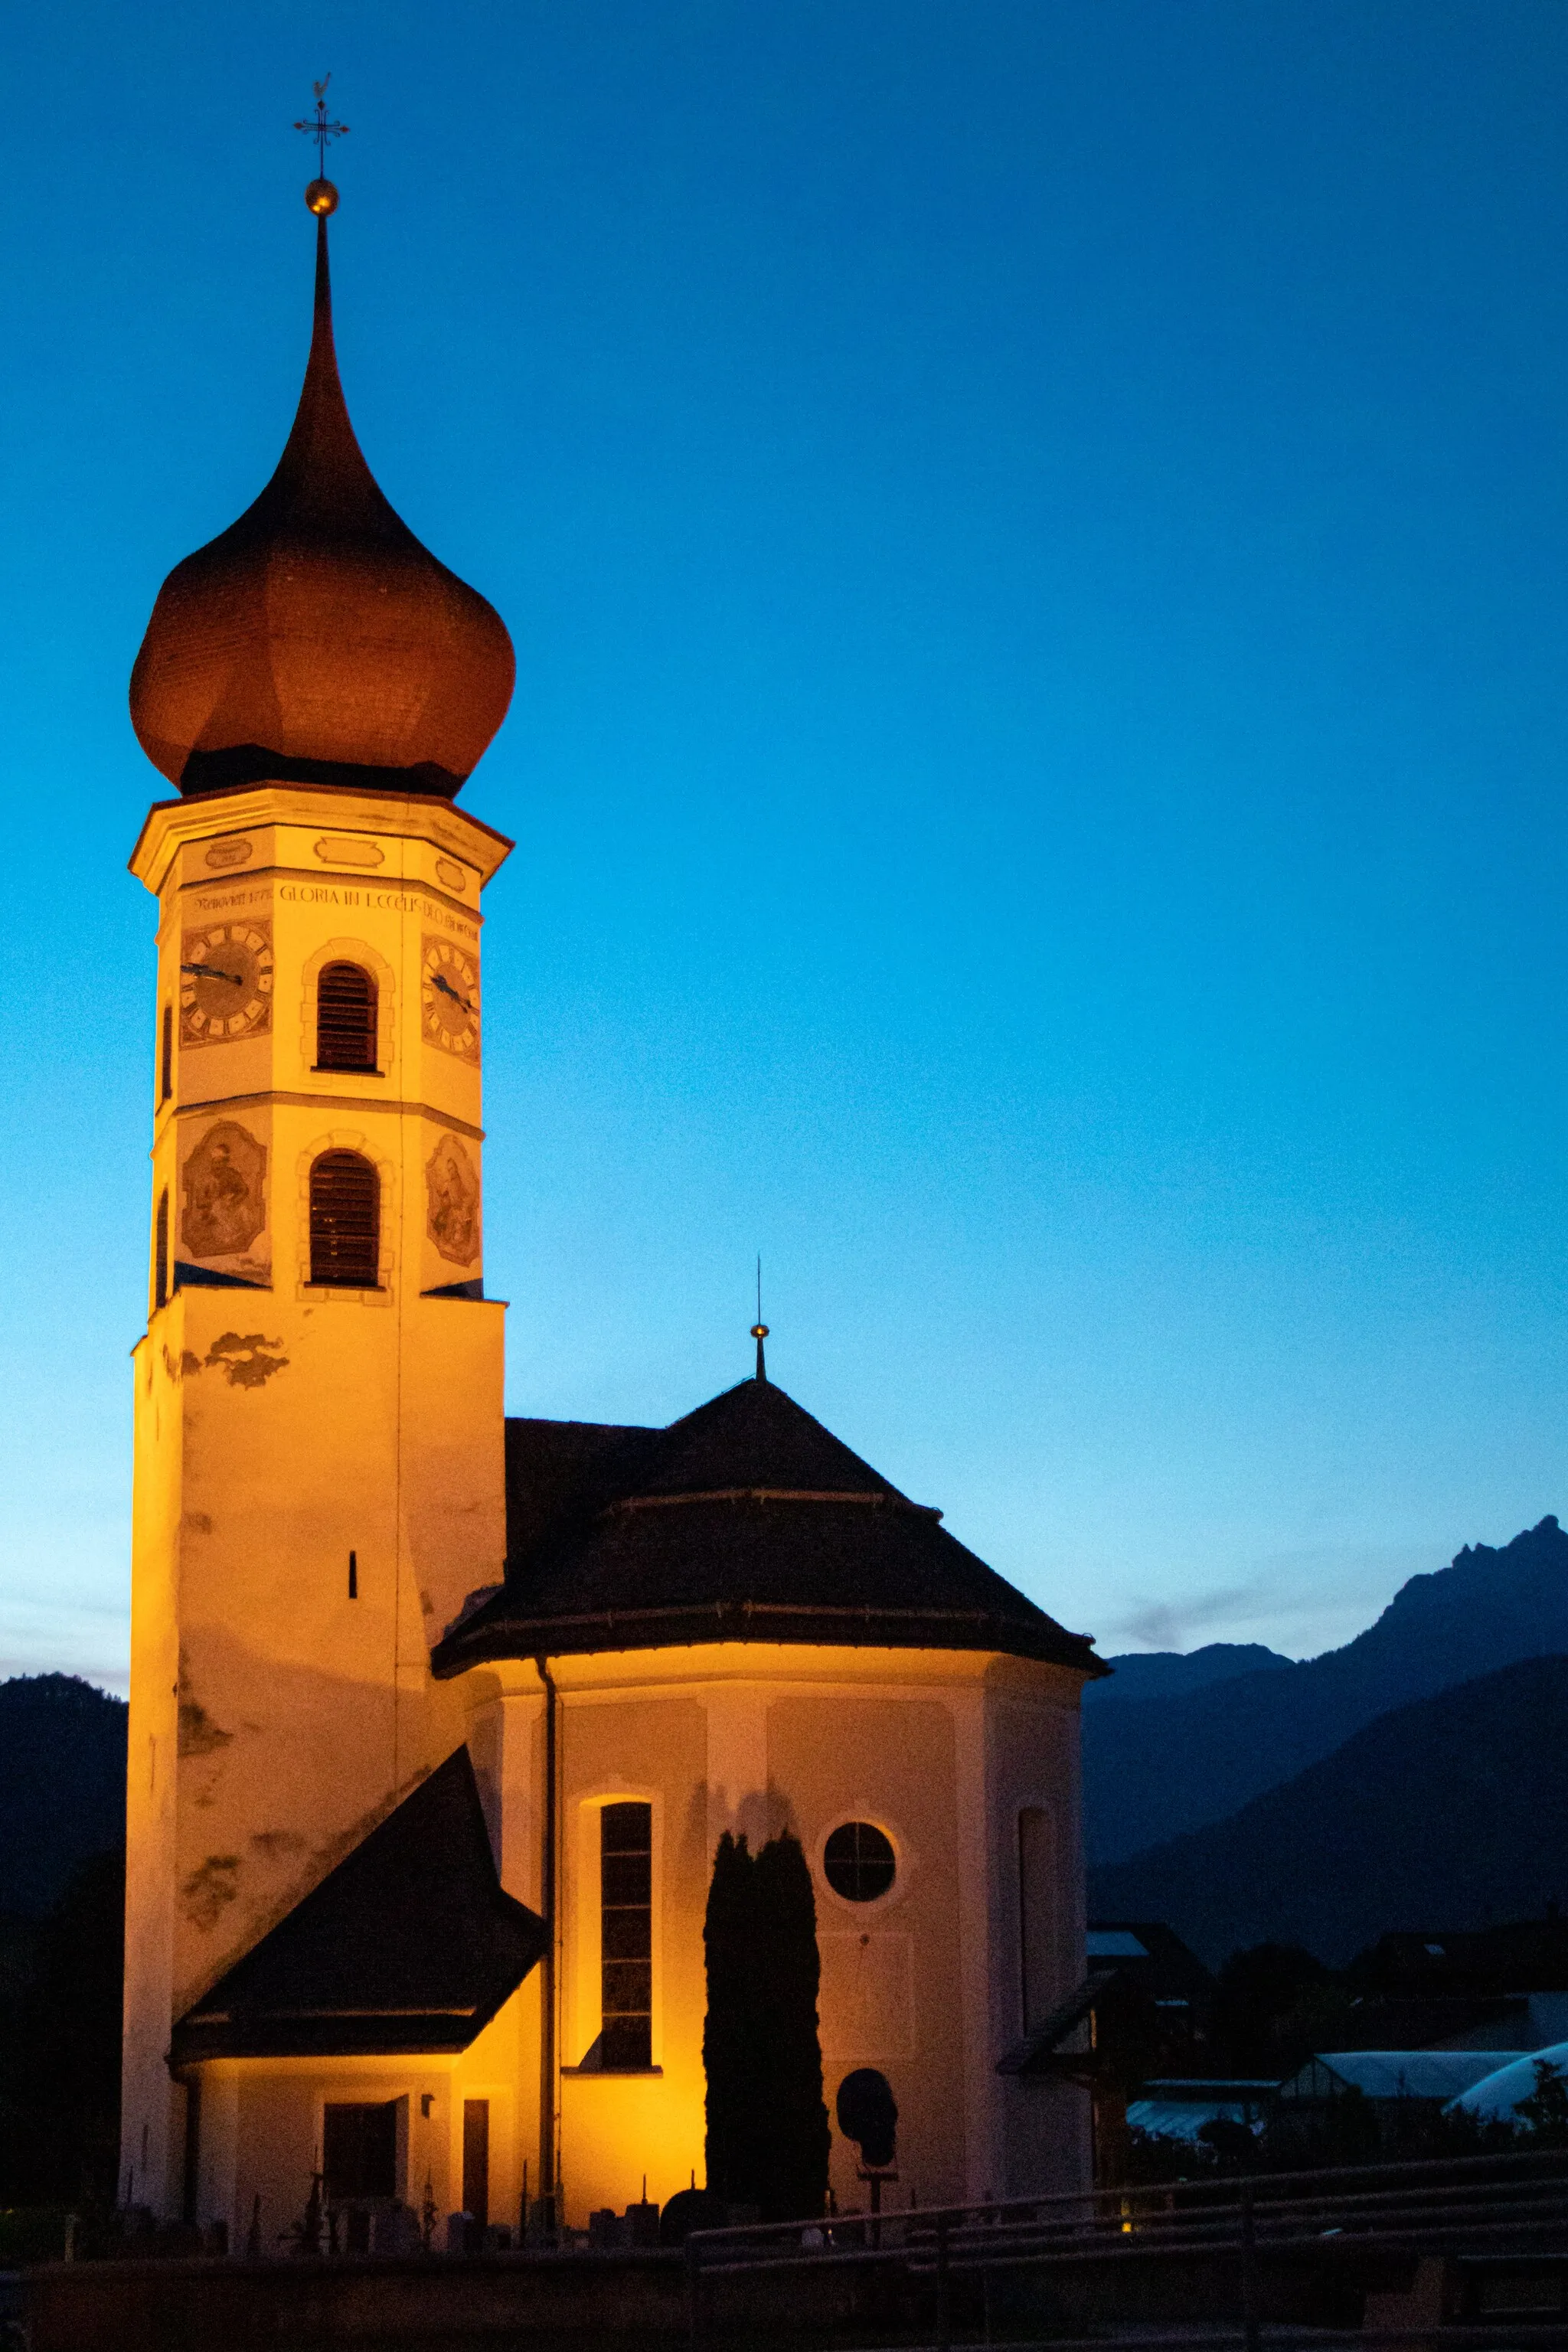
(316, 641)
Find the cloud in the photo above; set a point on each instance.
(1171, 1624)
(1300, 1601)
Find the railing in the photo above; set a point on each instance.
(1465, 2205)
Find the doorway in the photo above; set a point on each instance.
(477, 2161)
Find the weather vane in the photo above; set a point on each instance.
(320, 196)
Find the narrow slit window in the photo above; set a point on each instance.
(625, 1930)
(166, 1055)
(345, 1222)
(345, 1018)
(1036, 1913)
(161, 1253)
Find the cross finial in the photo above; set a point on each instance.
(759, 1329)
(320, 196)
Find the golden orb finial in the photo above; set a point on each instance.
(759, 1329)
(321, 197)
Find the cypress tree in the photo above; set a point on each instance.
(794, 2183)
(767, 2126)
(730, 2058)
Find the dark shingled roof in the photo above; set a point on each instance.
(745, 1521)
(409, 1944)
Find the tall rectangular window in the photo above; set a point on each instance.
(625, 1932)
(1037, 1913)
(166, 1056)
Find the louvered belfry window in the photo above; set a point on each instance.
(345, 1018)
(345, 1222)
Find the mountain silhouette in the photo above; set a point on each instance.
(1140, 1675)
(62, 1772)
(1451, 1812)
(1158, 1767)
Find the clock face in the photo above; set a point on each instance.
(225, 983)
(449, 998)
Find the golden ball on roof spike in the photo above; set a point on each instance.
(321, 196)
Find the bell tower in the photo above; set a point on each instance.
(319, 1450)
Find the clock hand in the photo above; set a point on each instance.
(211, 971)
(438, 980)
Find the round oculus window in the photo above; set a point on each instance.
(858, 1863)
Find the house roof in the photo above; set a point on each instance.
(744, 1521)
(1034, 2054)
(1518, 1955)
(1149, 1953)
(1392, 2074)
(1135, 1968)
(409, 1944)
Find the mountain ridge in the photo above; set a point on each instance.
(1159, 1767)
(1450, 1811)
(62, 1773)
(1140, 1675)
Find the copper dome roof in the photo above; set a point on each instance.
(316, 641)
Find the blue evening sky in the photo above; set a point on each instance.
(1037, 539)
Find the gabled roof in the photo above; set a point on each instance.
(410, 1944)
(744, 1521)
(1149, 1953)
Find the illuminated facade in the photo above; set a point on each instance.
(435, 1717)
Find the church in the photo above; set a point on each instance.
(437, 1716)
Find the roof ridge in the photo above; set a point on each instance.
(887, 1497)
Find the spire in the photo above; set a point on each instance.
(322, 464)
(759, 1329)
(322, 480)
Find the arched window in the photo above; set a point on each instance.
(161, 1254)
(345, 1221)
(166, 1078)
(345, 1018)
